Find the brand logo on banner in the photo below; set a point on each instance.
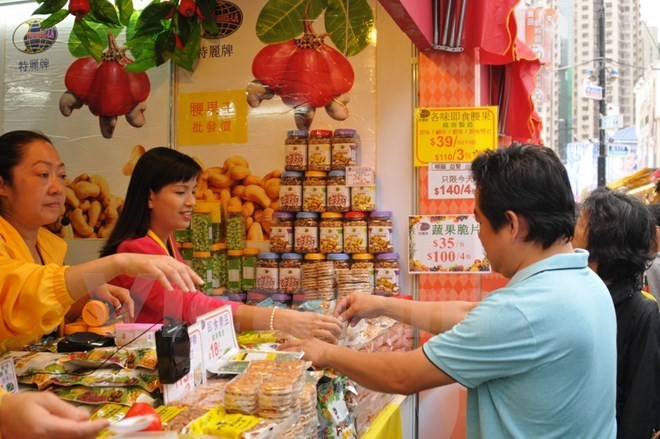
(228, 17)
(29, 37)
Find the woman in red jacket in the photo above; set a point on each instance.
(159, 200)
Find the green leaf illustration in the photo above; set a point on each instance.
(281, 20)
(349, 23)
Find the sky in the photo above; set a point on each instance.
(651, 12)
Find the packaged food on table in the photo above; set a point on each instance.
(341, 262)
(331, 233)
(111, 357)
(241, 394)
(177, 416)
(295, 150)
(37, 368)
(319, 152)
(335, 418)
(277, 393)
(105, 377)
(291, 190)
(380, 232)
(314, 192)
(104, 395)
(217, 422)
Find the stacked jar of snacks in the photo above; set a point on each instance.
(380, 232)
(319, 153)
(331, 233)
(364, 262)
(314, 191)
(186, 251)
(338, 194)
(235, 228)
(363, 198)
(355, 232)
(344, 148)
(318, 277)
(202, 231)
(295, 150)
(281, 232)
(291, 190)
(203, 266)
(306, 233)
(215, 209)
(234, 271)
(290, 271)
(219, 267)
(249, 265)
(268, 279)
(387, 274)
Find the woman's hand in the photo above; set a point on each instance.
(164, 269)
(118, 297)
(308, 324)
(355, 307)
(42, 415)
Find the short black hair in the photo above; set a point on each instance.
(620, 234)
(531, 181)
(12, 149)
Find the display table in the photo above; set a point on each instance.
(388, 424)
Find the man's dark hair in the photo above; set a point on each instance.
(620, 234)
(655, 211)
(531, 181)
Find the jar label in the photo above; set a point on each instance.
(355, 239)
(234, 275)
(363, 198)
(248, 273)
(380, 239)
(338, 196)
(291, 196)
(344, 154)
(319, 155)
(387, 280)
(281, 238)
(289, 280)
(295, 155)
(331, 239)
(267, 278)
(314, 198)
(306, 239)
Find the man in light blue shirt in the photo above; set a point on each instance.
(538, 356)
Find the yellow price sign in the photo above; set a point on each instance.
(453, 134)
(212, 117)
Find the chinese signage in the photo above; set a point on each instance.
(450, 181)
(212, 117)
(445, 244)
(358, 176)
(218, 335)
(453, 134)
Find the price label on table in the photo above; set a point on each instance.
(450, 181)
(8, 380)
(218, 335)
(445, 244)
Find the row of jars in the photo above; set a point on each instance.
(317, 191)
(208, 227)
(333, 232)
(320, 150)
(236, 271)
